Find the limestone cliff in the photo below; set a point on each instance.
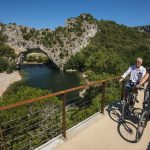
(145, 28)
(59, 45)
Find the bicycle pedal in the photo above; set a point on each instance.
(145, 105)
(122, 119)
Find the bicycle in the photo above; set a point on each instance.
(128, 102)
(144, 117)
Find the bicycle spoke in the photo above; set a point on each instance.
(128, 131)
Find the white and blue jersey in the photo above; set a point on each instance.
(136, 74)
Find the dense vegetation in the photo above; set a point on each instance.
(108, 54)
(26, 127)
(7, 55)
(29, 126)
(36, 57)
(111, 51)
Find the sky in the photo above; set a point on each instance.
(53, 13)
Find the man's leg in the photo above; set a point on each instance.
(136, 92)
(127, 88)
(147, 99)
(146, 95)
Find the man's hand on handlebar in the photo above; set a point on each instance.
(138, 86)
(121, 79)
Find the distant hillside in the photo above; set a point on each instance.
(84, 43)
(111, 50)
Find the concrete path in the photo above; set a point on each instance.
(106, 133)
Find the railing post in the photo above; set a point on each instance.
(64, 116)
(122, 91)
(103, 97)
(2, 139)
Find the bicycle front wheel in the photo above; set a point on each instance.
(141, 126)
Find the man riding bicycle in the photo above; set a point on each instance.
(146, 77)
(145, 113)
(136, 72)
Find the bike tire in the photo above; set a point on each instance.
(141, 126)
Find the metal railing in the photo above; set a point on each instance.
(28, 124)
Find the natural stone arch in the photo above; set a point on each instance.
(23, 54)
(58, 52)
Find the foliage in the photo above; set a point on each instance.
(37, 57)
(91, 103)
(61, 55)
(111, 51)
(22, 93)
(3, 64)
(30, 125)
(7, 55)
(85, 108)
(108, 54)
(23, 30)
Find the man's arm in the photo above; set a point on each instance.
(125, 74)
(144, 79)
(143, 72)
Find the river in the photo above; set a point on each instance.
(43, 77)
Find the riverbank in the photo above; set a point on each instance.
(7, 79)
(32, 63)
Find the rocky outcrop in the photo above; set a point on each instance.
(145, 28)
(59, 45)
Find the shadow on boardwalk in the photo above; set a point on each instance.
(127, 128)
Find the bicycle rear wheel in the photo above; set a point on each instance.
(141, 126)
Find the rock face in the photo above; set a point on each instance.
(144, 28)
(59, 45)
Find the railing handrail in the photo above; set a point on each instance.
(54, 94)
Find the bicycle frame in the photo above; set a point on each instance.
(128, 102)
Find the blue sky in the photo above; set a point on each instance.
(53, 13)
